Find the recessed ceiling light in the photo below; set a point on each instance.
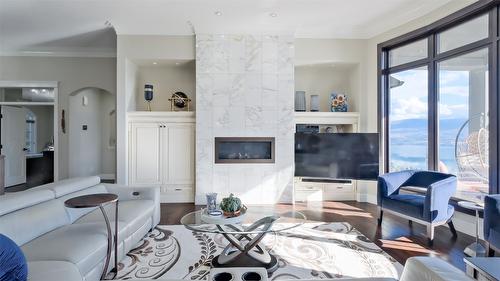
(273, 15)
(177, 63)
(155, 63)
(218, 13)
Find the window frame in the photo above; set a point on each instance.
(492, 43)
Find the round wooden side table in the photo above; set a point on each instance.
(101, 200)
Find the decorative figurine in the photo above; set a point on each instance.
(180, 101)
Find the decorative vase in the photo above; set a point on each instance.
(148, 94)
(300, 101)
(211, 202)
(338, 103)
(314, 103)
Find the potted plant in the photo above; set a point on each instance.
(231, 206)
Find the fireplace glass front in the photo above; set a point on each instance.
(244, 150)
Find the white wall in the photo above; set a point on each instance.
(166, 79)
(71, 73)
(245, 89)
(107, 113)
(140, 47)
(89, 150)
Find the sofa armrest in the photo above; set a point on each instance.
(491, 214)
(438, 196)
(431, 269)
(390, 183)
(126, 193)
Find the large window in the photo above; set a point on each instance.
(408, 120)
(437, 86)
(463, 130)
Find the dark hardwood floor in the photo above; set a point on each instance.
(395, 236)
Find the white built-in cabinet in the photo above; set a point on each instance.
(161, 153)
(305, 191)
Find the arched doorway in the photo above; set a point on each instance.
(92, 133)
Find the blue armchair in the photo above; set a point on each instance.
(491, 222)
(431, 209)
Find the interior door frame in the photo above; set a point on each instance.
(40, 84)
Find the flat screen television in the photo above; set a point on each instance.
(337, 156)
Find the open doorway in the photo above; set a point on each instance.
(28, 135)
(92, 134)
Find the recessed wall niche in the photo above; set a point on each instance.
(324, 78)
(167, 77)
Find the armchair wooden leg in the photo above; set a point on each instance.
(430, 234)
(452, 228)
(380, 217)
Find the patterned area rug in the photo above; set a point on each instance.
(313, 251)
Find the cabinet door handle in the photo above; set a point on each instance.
(178, 189)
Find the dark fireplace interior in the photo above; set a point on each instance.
(244, 150)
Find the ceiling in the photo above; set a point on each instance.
(88, 26)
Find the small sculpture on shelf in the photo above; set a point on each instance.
(179, 100)
(338, 102)
(148, 94)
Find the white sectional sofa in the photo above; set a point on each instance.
(70, 244)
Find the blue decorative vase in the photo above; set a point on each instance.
(211, 202)
(338, 103)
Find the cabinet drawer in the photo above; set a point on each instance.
(177, 188)
(308, 187)
(338, 188)
(307, 196)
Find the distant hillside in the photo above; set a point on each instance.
(445, 124)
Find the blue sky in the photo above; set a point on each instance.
(409, 101)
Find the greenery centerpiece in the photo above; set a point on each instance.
(231, 206)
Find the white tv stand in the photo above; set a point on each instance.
(310, 190)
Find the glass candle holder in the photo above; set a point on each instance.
(211, 201)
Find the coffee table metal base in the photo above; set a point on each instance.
(244, 249)
(247, 261)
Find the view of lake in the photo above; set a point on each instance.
(408, 148)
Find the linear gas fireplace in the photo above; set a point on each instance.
(244, 150)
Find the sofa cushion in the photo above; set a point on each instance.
(83, 244)
(431, 268)
(409, 204)
(24, 225)
(67, 186)
(14, 201)
(132, 213)
(53, 270)
(12, 261)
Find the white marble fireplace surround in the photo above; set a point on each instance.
(245, 88)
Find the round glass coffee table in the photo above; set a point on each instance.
(244, 234)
